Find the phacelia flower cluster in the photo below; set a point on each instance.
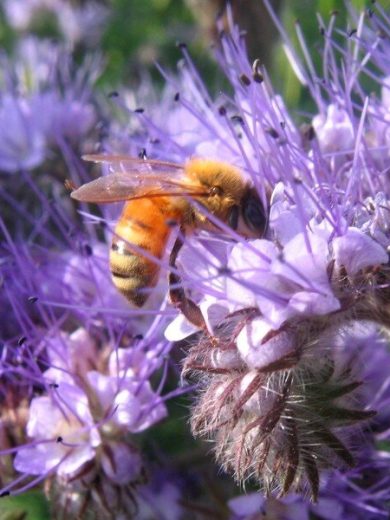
(290, 362)
(82, 375)
(289, 319)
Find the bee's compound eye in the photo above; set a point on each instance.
(253, 214)
(233, 217)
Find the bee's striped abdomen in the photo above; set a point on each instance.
(145, 223)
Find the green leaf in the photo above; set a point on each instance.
(31, 505)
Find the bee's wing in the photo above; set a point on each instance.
(111, 188)
(133, 163)
(134, 178)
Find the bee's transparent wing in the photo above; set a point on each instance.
(132, 178)
(111, 188)
(127, 162)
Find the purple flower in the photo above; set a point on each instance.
(63, 432)
(22, 140)
(64, 117)
(133, 403)
(291, 359)
(42, 108)
(77, 430)
(280, 397)
(76, 23)
(74, 363)
(334, 131)
(356, 251)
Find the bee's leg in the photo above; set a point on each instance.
(176, 292)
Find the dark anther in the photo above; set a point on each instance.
(352, 32)
(311, 133)
(154, 140)
(177, 96)
(59, 439)
(308, 132)
(32, 299)
(139, 337)
(335, 12)
(54, 385)
(272, 132)
(181, 45)
(256, 72)
(88, 250)
(4, 494)
(245, 80)
(370, 12)
(282, 124)
(113, 94)
(322, 31)
(237, 119)
(143, 154)
(222, 110)
(224, 270)
(139, 110)
(21, 340)
(102, 224)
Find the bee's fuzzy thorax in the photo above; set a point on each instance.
(217, 174)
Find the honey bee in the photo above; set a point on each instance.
(158, 196)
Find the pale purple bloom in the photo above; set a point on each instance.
(63, 117)
(63, 432)
(45, 107)
(246, 507)
(22, 139)
(73, 353)
(130, 403)
(82, 277)
(77, 23)
(79, 427)
(334, 131)
(258, 352)
(293, 280)
(355, 251)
